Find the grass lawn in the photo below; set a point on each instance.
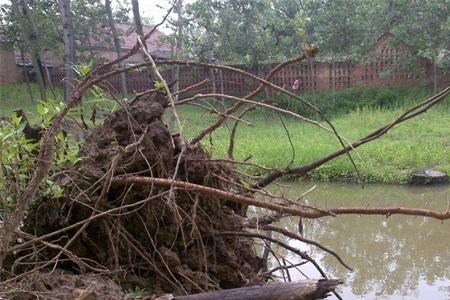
(14, 96)
(423, 142)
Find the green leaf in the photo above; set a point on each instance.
(85, 70)
(159, 86)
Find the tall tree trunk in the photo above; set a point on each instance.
(117, 47)
(179, 43)
(138, 23)
(49, 81)
(137, 18)
(213, 80)
(90, 46)
(140, 32)
(435, 76)
(221, 88)
(30, 38)
(333, 78)
(69, 48)
(311, 75)
(25, 74)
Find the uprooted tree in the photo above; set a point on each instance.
(149, 208)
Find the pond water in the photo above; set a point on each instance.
(400, 257)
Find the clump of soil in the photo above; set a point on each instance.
(165, 244)
(63, 286)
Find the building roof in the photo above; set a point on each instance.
(155, 43)
(390, 36)
(386, 35)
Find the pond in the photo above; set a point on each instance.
(399, 257)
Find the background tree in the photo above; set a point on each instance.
(336, 31)
(29, 33)
(137, 18)
(178, 42)
(425, 25)
(91, 29)
(69, 48)
(233, 31)
(117, 46)
(261, 31)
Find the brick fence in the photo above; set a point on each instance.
(314, 76)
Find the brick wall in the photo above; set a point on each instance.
(315, 76)
(383, 66)
(9, 72)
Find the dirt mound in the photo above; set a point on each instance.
(62, 286)
(164, 243)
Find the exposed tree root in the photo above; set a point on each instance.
(164, 244)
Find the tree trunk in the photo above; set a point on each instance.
(31, 42)
(49, 81)
(178, 44)
(221, 88)
(435, 76)
(90, 46)
(69, 48)
(25, 75)
(301, 290)
(333, 79)
(140, 32)
(137, 18)
(311, 75)
(213, 80)
(117, 47)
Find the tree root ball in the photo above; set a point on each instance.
(167, 243)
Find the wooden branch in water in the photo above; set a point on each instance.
(305, 211)
(299, 290)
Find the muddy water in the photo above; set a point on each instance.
(399, 257)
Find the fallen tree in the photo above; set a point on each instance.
(149, 208)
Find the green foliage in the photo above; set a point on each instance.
(16, 163)
(159, 86)
(18, 158)
(137, 292)
(85, 70)
(45, 18)
(260, 31)
(47, 110)
(248, 32)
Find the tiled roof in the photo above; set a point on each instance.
(129, 37)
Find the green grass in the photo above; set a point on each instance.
(15, 96)
(423, 142)
(348, 100)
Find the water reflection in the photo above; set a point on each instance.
(399, 257)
